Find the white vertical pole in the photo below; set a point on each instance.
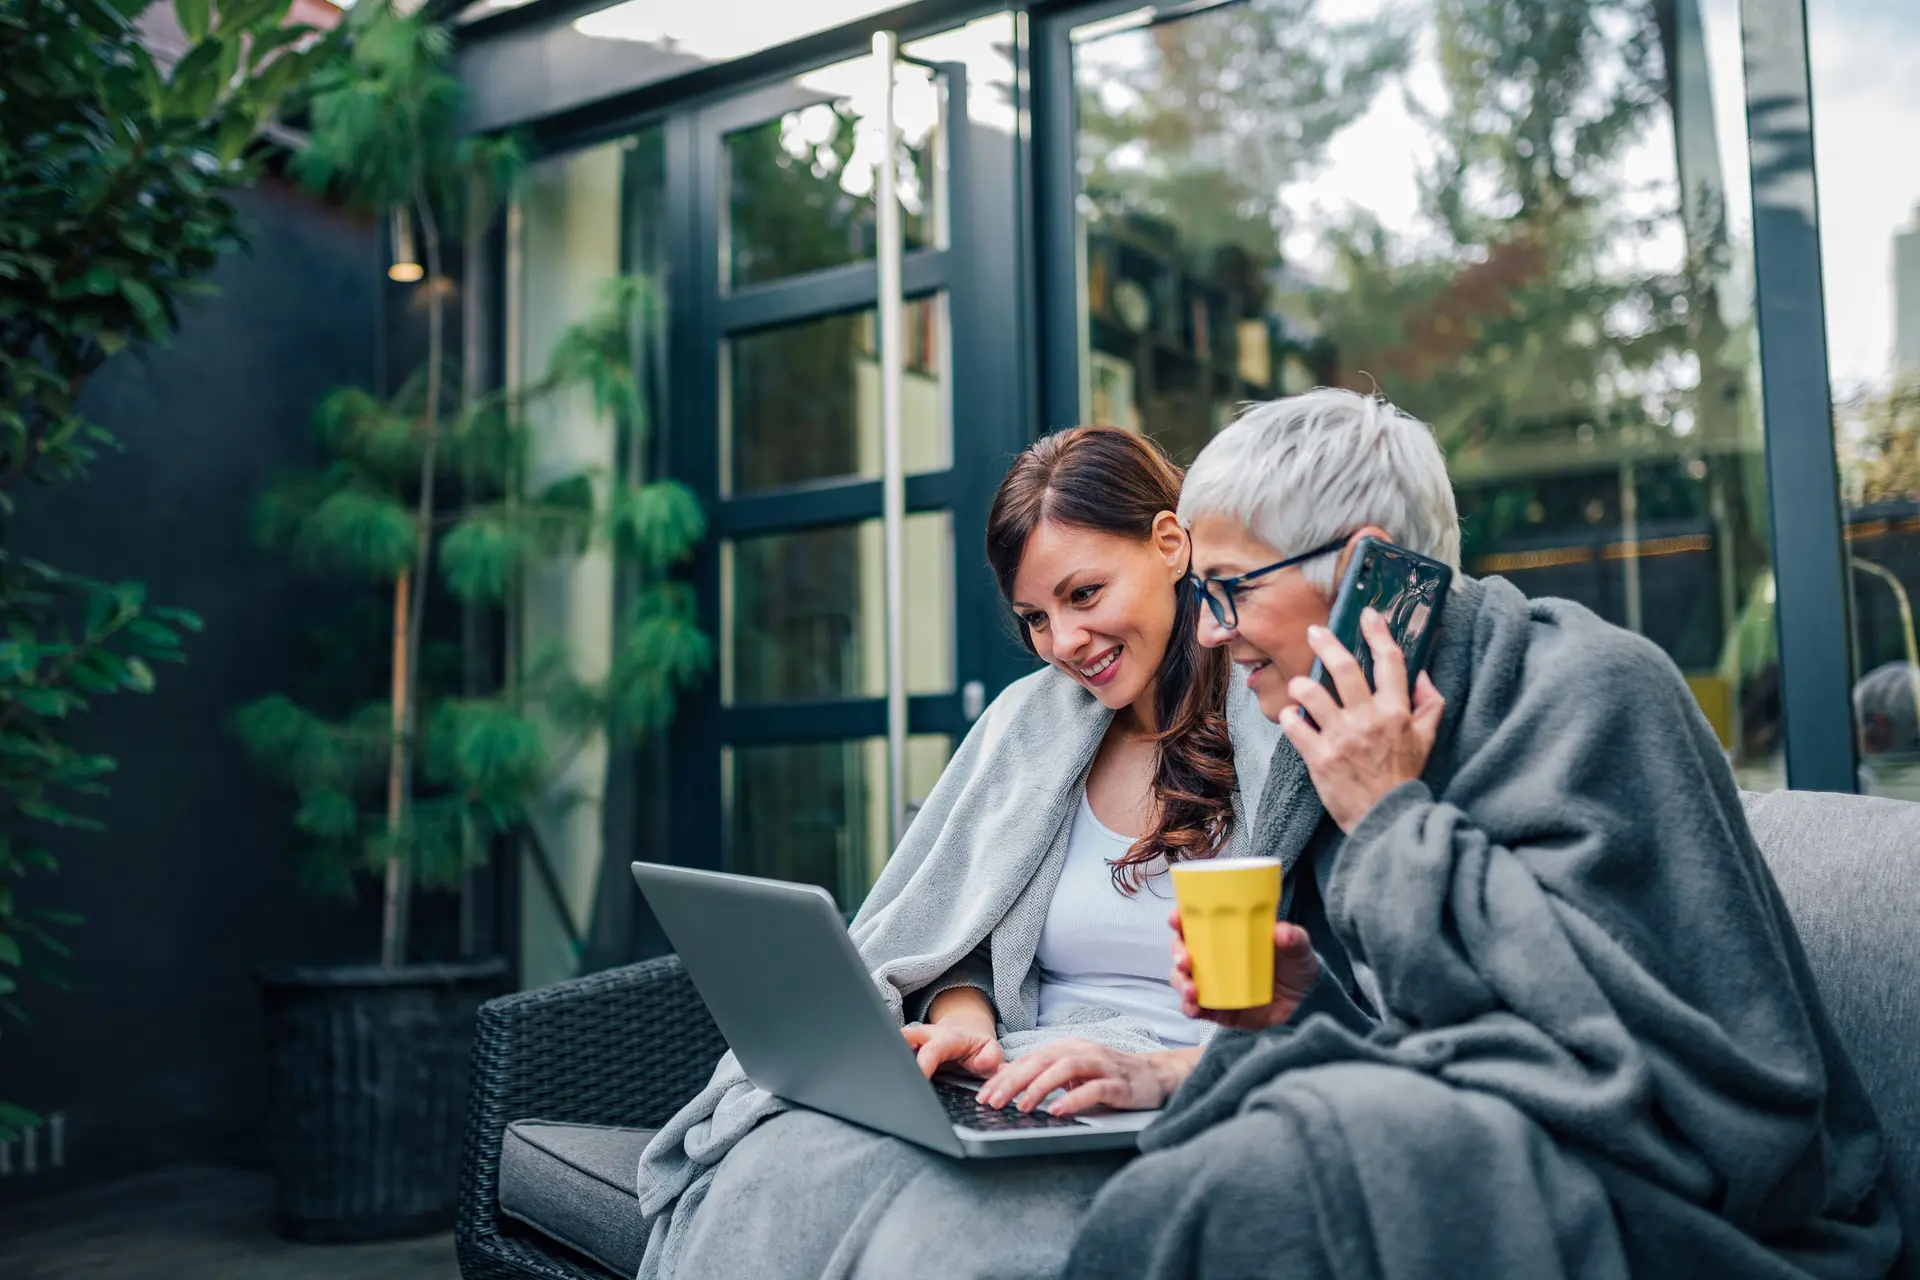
(888, 249)
(1729, 593)
(1630, 526)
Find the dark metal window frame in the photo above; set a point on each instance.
(1812, 602)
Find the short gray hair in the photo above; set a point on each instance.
(1891, 692)
(1310, 468)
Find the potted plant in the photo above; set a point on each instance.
(421, 496)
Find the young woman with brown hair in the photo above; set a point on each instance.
(1089, 555)
(1024, 913)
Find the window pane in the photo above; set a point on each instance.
(801, 189)
(1866, 86)
(817, 812)
(581, 214)
(804, 614)
(803, 401)
(1278, 196)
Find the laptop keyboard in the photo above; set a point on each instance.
(967, 1111)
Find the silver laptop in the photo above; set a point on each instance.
(791, 995)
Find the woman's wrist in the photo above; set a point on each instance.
(962, 1007)
(1172, 1067)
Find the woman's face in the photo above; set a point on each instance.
(1100, 606)
(1269, 644)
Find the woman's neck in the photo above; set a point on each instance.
(1137, 719)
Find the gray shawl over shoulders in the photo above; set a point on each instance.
(961, 902)
(1582, 962)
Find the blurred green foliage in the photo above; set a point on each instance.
(116, 172)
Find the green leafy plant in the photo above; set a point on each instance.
(416, 787)
(117, 174)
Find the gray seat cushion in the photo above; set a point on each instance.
(1849, 869)
(576, 1183)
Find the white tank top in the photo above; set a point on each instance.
(1102, 947)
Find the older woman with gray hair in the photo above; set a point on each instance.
(1548, 1015)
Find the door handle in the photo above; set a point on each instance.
(973, 700)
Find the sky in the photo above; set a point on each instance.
(1866, 136)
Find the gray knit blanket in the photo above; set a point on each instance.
(961, 902)
(1602, 1052)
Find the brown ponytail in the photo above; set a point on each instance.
(1113, 481)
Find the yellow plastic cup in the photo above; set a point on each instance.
(1227, 909)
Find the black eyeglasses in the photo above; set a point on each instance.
(1218, 592)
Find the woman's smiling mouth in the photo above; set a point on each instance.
(1101, 670)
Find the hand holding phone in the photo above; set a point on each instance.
(1361, 747)
(1359, 741)
(1404, 587)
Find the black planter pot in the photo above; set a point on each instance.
(367, 1095)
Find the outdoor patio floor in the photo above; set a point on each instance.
(192, 1223)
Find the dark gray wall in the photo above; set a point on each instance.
(155, 1057)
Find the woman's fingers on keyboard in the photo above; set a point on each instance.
(1022, 1075)
(932, 1046)
(1103, 1092)
(987, 1059)
(1011, 1080)
(1068, 1070)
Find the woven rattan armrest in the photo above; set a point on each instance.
(624, 1047)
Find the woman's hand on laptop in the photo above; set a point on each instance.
(959, 1029)
(1092, 1074)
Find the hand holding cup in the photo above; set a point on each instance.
(1226, 906)
(1295, 968)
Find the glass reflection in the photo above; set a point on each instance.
(803, 615)
(585, 217)
(1865, 62)
(803, 400)
(801, 189)
(816, 813)
(1524, 221)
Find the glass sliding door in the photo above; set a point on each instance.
(1525, 221)
(802, 578)
(777, 426)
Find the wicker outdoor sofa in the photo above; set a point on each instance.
(568, 1080)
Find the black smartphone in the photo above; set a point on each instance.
(1405, 587)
